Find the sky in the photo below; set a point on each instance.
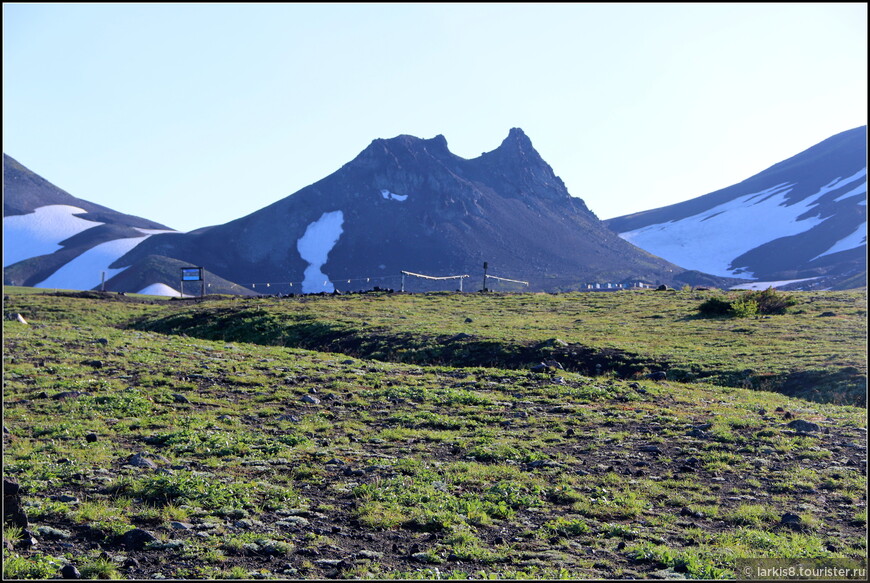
(193, 115)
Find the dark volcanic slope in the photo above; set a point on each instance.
(410, 204)
(24, 191)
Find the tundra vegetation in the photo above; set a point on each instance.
(413, 436)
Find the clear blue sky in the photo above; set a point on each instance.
(198, 114)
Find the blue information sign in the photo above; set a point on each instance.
(191, 274)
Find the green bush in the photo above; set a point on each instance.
(715, 306)
(748, 304)
(771, 302)
(744, 308)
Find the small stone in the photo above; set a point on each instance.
(69, 395)
(91, 437)
(70, 572)
(686, 511)
(179, 398)
(792, 521)
(26, 541)
(13, 508)
(51, 533)
(804, 426)
(137, 539)
(294, 522)
(310, 399)
(140, 461)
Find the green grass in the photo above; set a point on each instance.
(627, 333)
(476, 471)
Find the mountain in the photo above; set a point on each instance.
(52, 239)
(800, 224)
(409, 204)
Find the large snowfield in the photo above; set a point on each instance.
(40, 232)
(86, 271)
(741, 225)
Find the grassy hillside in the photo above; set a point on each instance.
(815, 351)
(239, 455)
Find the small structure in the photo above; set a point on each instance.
(192, 274)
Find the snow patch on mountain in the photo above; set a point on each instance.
(160, 289)
(85, 271)
(855, 239)
(158, 231)
(763, 285)
(737, 226)
(41, 232)
(860, 189)
(314, 247)
(391, 195)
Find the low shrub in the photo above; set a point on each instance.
(765, 302)
(771, 302)
(715, 306)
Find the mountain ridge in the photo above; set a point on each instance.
(440, 214)
(409, 204)
(815, 207)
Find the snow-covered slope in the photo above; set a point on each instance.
(54, 240)
(41, 232)
(802, 219)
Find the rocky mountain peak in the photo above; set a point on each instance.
(404, 151)
(518, 146)
(524, 171)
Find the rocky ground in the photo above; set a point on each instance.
(134, 455)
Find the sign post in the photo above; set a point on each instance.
(485, 266)
(192, 274)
